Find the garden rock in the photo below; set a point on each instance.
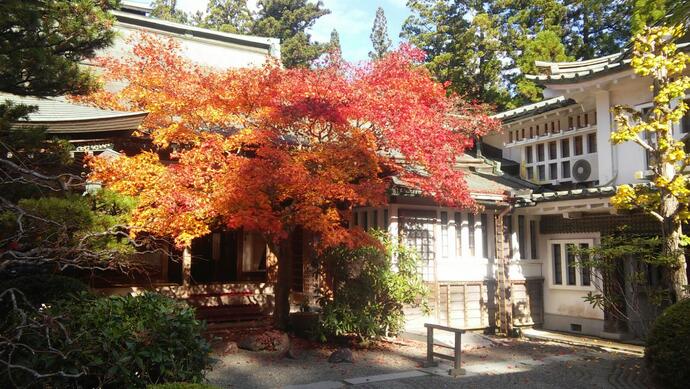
(273, 341)
(230, 348)
(342, 355)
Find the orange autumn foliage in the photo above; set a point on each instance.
(268, 149)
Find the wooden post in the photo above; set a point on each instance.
(187, 266)
(430, 348)
(457, 369)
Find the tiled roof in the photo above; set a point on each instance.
(533, 198)
(482, 180)
(568, 72)
(533, 109)
(63, 117)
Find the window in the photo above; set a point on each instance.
(385, 219)
(510, 136)
(570, 122)
(553, 171)
(565, 169)
(540, 152)
(485, 235)
(444, 234)
(579, 122)
(365, 220)
(541, 172)
(376, 220)
(537, 130)
(586, 120)
(577, 145)
(566, 264)
(592, 143)
(571, 264)
(471, 226)
(553, 150)
(565, 148)
(523, 134)
(530, 173)
(553, 127)
(533, 239)
(531, 132)
(528, 154)
(521, 236)
(557, 271)
(458, 234)
(355, 218)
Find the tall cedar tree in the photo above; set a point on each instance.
(273, 149)
(43, 224)
(334, 44)
(379, 36)
(167, 10)
(226, 15)
(289, 21)
(479, 55)
(465, 53)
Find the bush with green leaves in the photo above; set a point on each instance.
(44, 288)
(369, 288)
(111, 342)
(667, 352)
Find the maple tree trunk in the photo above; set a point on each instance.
(281, 310)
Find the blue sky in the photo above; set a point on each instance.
(352, 18)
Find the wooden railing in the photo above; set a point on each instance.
(457, 370)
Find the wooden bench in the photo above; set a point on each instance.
(457, 369)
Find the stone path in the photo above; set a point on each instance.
(504, 364)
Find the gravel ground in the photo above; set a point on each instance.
(501, 364)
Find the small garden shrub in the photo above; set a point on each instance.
(41, 289)
(112, 342)
(369, 289)
(667, 352)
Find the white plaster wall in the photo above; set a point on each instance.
(565, 300)
(206, 52)
(628, 157)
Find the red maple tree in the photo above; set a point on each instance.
(270, 149)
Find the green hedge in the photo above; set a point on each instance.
(667, 352)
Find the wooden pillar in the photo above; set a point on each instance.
(187, 266)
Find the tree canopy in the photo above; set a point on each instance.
(482, 47)
(271, 149)
(290, 20)
(43, 222)
(379, 35)
(42, 43)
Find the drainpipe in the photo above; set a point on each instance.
(505, 308)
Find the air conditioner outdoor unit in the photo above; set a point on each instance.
(585, 168)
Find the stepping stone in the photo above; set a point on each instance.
(385, 377)
(318, 385)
